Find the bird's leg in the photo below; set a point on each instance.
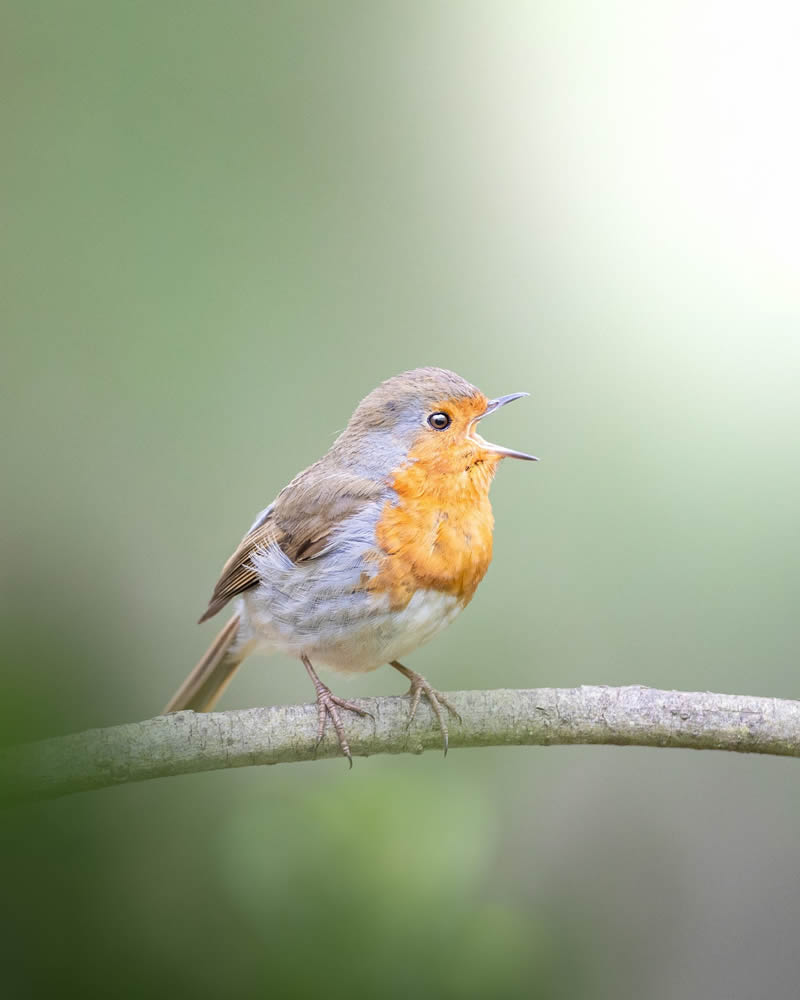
(327, 703)
(420, 686)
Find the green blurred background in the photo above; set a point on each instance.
(224, 224)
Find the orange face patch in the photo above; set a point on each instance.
(438, 533)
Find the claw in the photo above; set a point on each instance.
(328, 705)
(420, 686)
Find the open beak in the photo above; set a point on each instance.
(495, 404)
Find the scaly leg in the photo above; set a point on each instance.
(327, 706)
(420, 686)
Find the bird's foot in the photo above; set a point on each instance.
(438, 701)
(328, 705)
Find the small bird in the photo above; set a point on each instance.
(370, 551)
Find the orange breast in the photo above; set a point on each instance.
(438, 533)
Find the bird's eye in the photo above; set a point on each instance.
(439, 421)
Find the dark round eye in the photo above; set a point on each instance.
(439, 421)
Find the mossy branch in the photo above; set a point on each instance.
(186, 742)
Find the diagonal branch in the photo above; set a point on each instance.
(187, 742)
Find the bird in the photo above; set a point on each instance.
(369, 552)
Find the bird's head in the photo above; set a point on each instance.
(428, 417)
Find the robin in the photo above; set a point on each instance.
(370, 551)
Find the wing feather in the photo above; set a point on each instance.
(302, 522)
(238, 574)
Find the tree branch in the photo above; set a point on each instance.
(186, 742)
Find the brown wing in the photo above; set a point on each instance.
(238, 573)
(301, 521)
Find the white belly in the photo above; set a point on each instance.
(356, 638)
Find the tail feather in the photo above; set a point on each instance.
(203, 687)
